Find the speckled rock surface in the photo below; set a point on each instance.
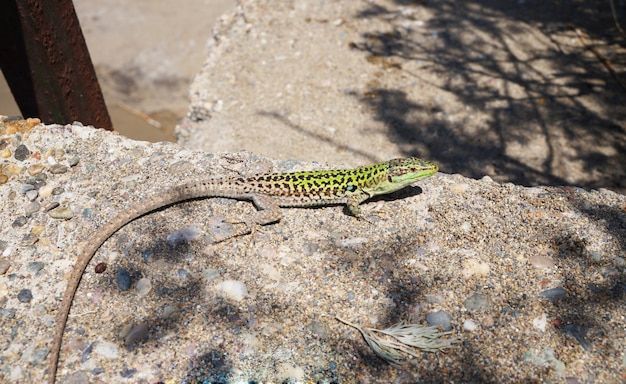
(485, 256)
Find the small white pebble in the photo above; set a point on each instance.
(466, 227)
(133, 177)
(474, 267)
(169, 311)
(144, 286)
(16, 374)
(289, 372)
(459, 188)
(470, 325)
(32, 194)
(355, 241)
(541, 262)
(540, 322)
(46, 190)
(271, 272)
(106, 350)
(232, 289)
(61, 213)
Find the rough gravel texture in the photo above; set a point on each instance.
(261, 308)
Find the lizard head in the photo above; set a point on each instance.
(401, 173)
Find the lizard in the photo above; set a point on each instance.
(268, 192)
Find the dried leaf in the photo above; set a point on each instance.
(400, 341)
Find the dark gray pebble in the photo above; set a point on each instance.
(138, 333)
(51, 206)
(21, 152)
(9, 313)
(123, 280)
(127, 373)
(19, 222)
(595, 288)
(35, 266)
(29, 239)
(31, 208)
(39, 356)
(440, 318)
(147, 255)
(619, 289)
(26, 187)
(184, 275)
(86, 353)
(25, 296)
(580, 334)
(554, 293)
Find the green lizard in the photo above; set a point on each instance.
(268, 192)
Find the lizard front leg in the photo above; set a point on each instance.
(354, 200)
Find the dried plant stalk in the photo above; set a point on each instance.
(397, 343)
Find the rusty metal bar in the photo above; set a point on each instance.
(46, 63)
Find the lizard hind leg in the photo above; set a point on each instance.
(268, 212)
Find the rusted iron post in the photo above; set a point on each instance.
(46, 63)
